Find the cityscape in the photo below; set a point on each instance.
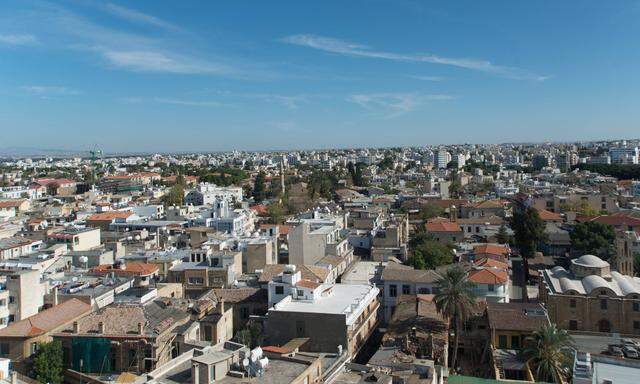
(207, 192)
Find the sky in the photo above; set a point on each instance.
(159, 75)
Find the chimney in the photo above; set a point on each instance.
(55, 296)
(101, 328)
(221, 306)
(140, 328)
(453, 213)
(76, 327)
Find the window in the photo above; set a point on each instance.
(279, 290)
(573, 325)
(244, 312)
(4, 349)
(34, 347)
(424, 291)
(502, 341)
(491, 288)
(636, 307)
(572, 303)
(636, 324)
(196, 280)
(406, 289)
(515, 342)
(300, 292)
(300, 329)
(12, 299)
(393, 290)
(212, 373)
(603, 304)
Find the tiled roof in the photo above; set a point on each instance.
(47, 320)
(400, 272)
(443, 226)
(488, 276)
(548, 215)
(130, 269)
(492, 249)
(237, 295)
(11, 203)
(308, 272)
(617, 220)
(491, 263)
(109, 216)
(516, 316)
(308, 284)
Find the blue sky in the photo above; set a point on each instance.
(185, 75)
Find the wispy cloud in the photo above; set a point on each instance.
(135, 16)
(157, 61)
(50, 91)
(427, 78)
(189, 103)
(343, 47)
(20, 39)
(394, 104)
(289, 102)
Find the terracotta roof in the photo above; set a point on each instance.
(548, 215)
(130, 269)
(47, 320)
(488, 276)
(492, 249)
(11, 203)
(109, 216)
(491, 263)
(617, 220)
(443, 226)
(259, 209)
(307, 284)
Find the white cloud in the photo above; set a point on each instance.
(50, 91)
(428, 78)
(139, 17)
(22, 39)
(289, 102)
(394, 104)
(189, 103)
(156, 61)
(342, 47)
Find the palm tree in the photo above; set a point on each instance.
(455, 301)
(549, 353)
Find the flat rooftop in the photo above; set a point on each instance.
(341, 299)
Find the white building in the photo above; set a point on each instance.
(442, 158)
(624, 155)
(207, 194)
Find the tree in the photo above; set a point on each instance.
(428, 253)
(180, 180)
(549, 354)
(52, 188)
(47, 363)
(594, 238)
(528, 230)
(429, 211)
(251, 335)
(455, 301)
(259, 193)
(175, 196)
(275, 212)
(503, 236)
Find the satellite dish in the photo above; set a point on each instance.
(245, 362)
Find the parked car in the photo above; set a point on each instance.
(630, 352)
(615, 350)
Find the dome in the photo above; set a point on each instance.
(590, 261)
(592, 282)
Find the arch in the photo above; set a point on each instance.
(604, 326)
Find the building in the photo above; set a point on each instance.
(444, 231)
(207, 269)
(591, 297)
(624, 155)
(208, 194)
(105, 219)
(313, 239)
(335, 317)
(76, 239)
(24, 297)
(399, 279)
(491, 280)
(20, 340)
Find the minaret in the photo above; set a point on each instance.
(623, 260)
(282, 176)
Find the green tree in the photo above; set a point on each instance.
(275, 212)
(594, 238)
(251, 335)
(455, 301)
(549, 354)
(259, 192)
(427, 253)
(175, 196)
(503, 235)
(47, 363)
(528, 230)
(429, 211)
(180, 180)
